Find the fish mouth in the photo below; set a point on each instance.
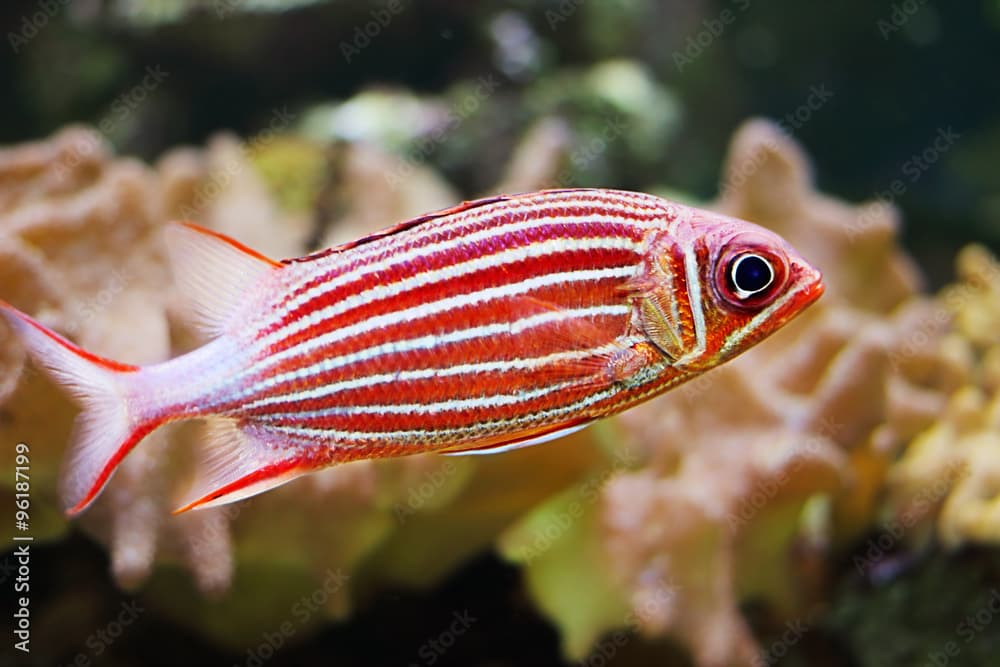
(814, 288)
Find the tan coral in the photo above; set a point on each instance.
(733, 458)
(82, 231)
(712, 504)
(83, 227)
(695, 528)
(405, 188)
(829, 382)
(82, 234)
(950, 474)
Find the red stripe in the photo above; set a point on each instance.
(498, 218)
(532, 343)
(507, 274)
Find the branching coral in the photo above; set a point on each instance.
(731, 460)
(951, 471)
(81, 233)
(674, 513)
(82, 238)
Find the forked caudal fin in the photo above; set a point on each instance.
(215, 273)
(105, 431)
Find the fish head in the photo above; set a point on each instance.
(715, 286)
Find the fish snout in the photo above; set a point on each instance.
(811, 280)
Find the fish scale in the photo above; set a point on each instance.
(491, 325)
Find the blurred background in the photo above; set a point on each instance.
(302, 123)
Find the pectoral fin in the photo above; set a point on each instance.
(660, 317)
(603, 356)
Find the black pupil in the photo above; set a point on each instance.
(751, 274)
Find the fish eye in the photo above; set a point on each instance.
(750, 274)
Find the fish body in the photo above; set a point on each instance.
(495, 324)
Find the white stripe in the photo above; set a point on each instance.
(450, 405)
(625, 203)
(368, 381)
(546, 416)
(740, 334)
(422, 279)
(424, 310)
(430, 341)
(411, 253)
(693, 279)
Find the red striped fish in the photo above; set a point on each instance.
(495, 324)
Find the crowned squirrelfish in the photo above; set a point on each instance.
(495, 324)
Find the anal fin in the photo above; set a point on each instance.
(241, 461)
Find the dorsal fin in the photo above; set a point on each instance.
(213, 272)
(400, 227)
(421, 219)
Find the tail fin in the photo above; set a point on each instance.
(105, 431)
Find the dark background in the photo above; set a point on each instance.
(893, 88)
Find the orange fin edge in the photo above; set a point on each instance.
(239, 461)
(258, 481)
(219, 236)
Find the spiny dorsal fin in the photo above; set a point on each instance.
(398, 227)
(427, 217)
(213, 272)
